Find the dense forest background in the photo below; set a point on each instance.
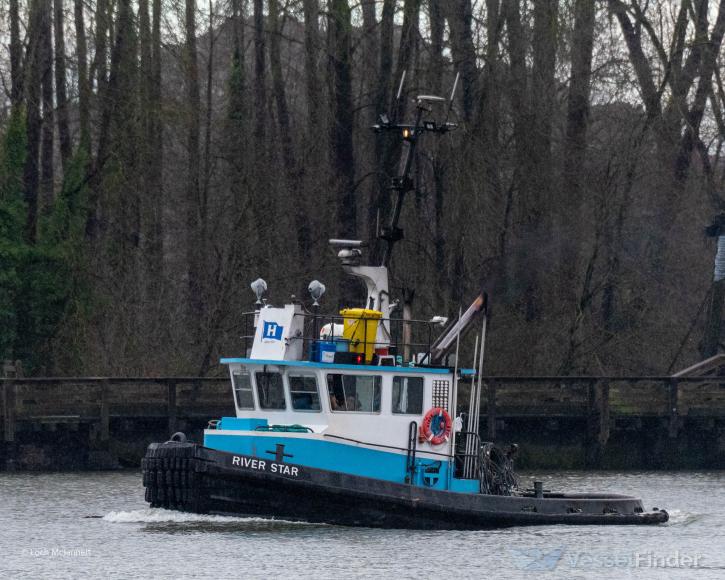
(158, 155)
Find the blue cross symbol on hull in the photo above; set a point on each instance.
(279, 453)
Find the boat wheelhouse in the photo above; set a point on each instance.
(362, 420)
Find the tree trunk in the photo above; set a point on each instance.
(517, 91)
(125, 190)
(577, 117)
(237, 112)
(569, 205)
(385, 70)
(543, 92)
(146, 84)
(311, 10)
(150, 150)
(342, 158)
(238, 26)
(114, 207)
(84, 87)
(102, 30)
(369, 70)
(379, 204)
(520, 277)
(48, 131)
(491, 97)
(285, 130)
(436, 16)
(156, 186)
(260, 86)
(280, 93)
(643, 71)
(60, 92)
(460, 18)
(98, 71)
(406, 50)
(16, 55)
(193, 209)
(31, 85)
(207, 171)
(370, 57)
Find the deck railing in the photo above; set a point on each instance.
(408, 338)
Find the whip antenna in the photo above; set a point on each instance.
(398, 95)
(453, 94)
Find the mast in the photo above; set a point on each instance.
(403, 183)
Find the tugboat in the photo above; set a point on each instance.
(352, 419)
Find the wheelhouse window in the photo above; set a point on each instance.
(242, 384)
(408, 395)
(303, 392)
(354, 393)
(270, 391)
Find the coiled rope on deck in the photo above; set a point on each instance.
(496, 467)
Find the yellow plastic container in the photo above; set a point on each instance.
(361, 329)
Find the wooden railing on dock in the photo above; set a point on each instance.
(603, 403)
(96, 399)
(602, 398)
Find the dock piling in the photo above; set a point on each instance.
(171, 404)
(105, 412)
(674, 426)
(9, 416)
(491, 420)
(597, 421)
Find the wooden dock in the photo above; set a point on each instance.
(669, 421)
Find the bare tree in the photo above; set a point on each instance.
(194, 210)
(460, 20)
(48, 130)
(61, 100)
(84, 87)
(16, 54)
(32, 89)
(341, 142)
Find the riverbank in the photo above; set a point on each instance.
(553, 443)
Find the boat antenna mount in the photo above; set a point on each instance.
(409, 133)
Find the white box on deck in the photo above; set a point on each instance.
(279, 334)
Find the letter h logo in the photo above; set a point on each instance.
(272, 331)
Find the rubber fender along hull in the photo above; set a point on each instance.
(189, 477)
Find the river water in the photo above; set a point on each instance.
(46, 532)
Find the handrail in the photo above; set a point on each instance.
(425, 330)
(469, 465)
(412, 447)
(382, 446)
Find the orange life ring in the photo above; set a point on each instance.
(436, 426)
